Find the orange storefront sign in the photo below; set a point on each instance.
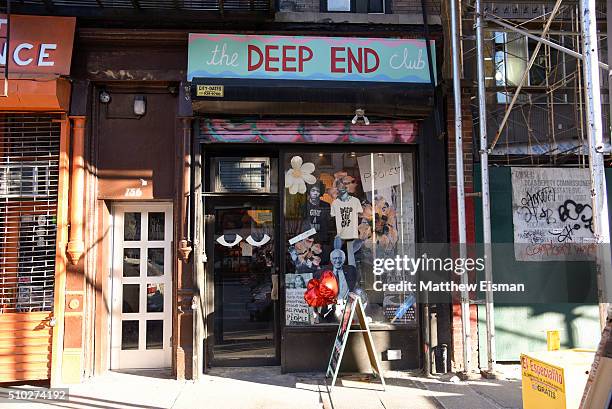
(39, 46)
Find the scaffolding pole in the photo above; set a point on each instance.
(465, 300)
(484, 177)
(596, 151)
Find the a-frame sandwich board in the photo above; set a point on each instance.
(353, 306)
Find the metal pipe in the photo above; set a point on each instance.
(484, 177)
(76, 245)
(596, 161)
(525, 74)
(609, 32)
(465, 304)
(549, 43)
(198, 266)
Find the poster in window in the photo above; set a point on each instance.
(297, 312)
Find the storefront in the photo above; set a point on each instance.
(34, 175)
(311, 154)
(210, 202)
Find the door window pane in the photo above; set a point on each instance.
(243, 268)
(155, 262)
(156, 226)
(155, 334)
(129, 334)
(131, 298)
(155, 297)
(131, 226)
(131, 262)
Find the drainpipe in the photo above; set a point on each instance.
(76, 245)
(184, 247)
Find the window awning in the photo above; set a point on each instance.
(245, 96)
(36, 95)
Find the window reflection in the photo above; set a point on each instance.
(131, 226)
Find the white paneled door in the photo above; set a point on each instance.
(141, 323)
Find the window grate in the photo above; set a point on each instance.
(29, 173)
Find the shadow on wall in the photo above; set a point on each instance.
(522, 328)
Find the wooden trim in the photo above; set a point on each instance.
(32, 96)
(102, 294)
(59, 300)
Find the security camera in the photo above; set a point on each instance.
(105, 97)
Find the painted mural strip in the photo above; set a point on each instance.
(308, 58)
(297, 131)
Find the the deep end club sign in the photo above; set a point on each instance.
(308, 58)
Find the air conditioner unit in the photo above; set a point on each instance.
(241, 174)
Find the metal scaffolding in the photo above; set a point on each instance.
(533, 79)
(537, 101)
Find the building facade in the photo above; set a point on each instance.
(209, 164)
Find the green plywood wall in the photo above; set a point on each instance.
(520, 322)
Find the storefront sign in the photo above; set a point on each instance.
(39, 46)
(308, 58)
(552, 215)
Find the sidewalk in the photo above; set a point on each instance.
(267, 388)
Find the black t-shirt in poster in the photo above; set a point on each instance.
(317, 216)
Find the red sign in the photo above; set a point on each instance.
(39, 46)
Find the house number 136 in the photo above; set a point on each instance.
(133, 192)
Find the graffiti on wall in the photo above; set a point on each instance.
(552, 214)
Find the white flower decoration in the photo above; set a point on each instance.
(299, 174)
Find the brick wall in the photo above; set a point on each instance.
(456, 330)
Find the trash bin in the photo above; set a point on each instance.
(555, 379)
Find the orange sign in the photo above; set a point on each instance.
(38, 46)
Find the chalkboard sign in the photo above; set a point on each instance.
(353, 307)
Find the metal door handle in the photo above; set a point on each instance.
(274, 292)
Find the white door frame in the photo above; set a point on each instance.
(142, 357)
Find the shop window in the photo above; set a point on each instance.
(356, 6)
(344, 212)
